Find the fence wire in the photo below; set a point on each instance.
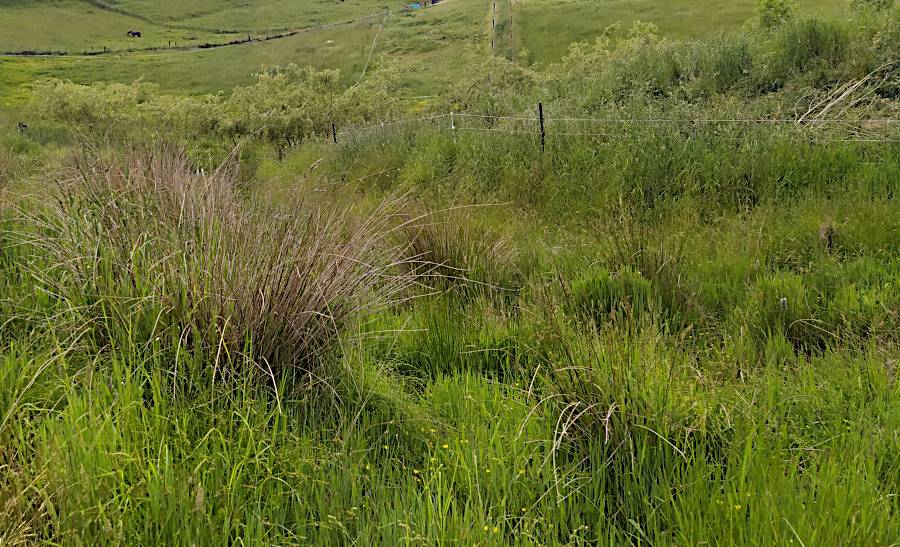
(822, 130)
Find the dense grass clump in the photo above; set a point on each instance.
(146, 242)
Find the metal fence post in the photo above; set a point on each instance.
(541, 118)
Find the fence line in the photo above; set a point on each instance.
(542, 127)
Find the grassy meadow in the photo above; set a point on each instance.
(219, 70)
(675, 321)
(545, 28)
(78, 27)
(259, 15)
(430, 46)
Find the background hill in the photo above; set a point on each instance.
(432, 46)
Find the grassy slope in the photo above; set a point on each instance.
(15, 74)
(69, 25)
(210, 71)
(432, 46)
(545, 28)
(253, 14)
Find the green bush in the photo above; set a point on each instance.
(147, 246)
(876, 5)
(721, 64)
(809, 48)
(773, 13)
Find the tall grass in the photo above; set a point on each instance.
(673, 334)
(146, 241)
(457, 248)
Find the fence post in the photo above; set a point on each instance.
(452, 124)
(541, 118)
(333, 134)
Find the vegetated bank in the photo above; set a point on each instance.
(675, 323)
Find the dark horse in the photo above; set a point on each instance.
(134, 34)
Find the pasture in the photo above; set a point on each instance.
(255, 15)
(220, 69)
(546, 28)
(76, 27)
(429, 46)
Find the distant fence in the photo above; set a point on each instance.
(542, 128)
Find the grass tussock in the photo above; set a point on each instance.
(146, 240)
(457, 247)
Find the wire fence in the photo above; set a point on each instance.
(539, 127)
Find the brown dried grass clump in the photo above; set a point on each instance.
(141, 242)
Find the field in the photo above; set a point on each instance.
(395, 305)
(221, 69)
(545, 28)
(76, 26)
(428, 45)
(258, 15)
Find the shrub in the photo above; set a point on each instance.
(875, 5)
(772, 13)
(803, 46)
(722, 63)
(149, 246)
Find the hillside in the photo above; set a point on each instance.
(545, 28)
(429, 44)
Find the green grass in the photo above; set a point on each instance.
(77, 27)
(432, 46)
(545, 28)
(675, 333)
(256, 14)
(443, 418)
(211, 71)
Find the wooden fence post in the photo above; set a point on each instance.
(541, 118)
(333, 134)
